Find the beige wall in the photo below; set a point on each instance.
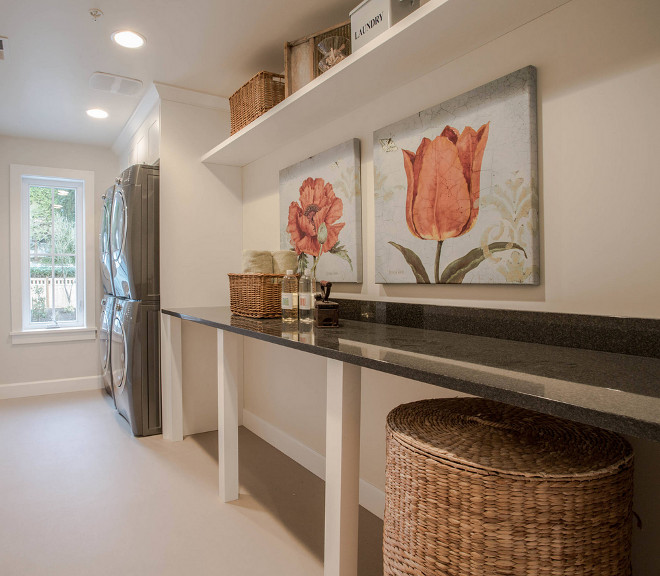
(599, 78)
(201, 231)
(20, 363)
(597, 98)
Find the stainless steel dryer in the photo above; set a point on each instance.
(104, 242)
(107, 312)
(135, 362)
(134, 234)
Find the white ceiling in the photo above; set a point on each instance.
(211, 46)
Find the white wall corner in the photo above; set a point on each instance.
(371, 498)
(191, 97)
(140, 114)
(43, 387)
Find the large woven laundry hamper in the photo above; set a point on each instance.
(478, 488)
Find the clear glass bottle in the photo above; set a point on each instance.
(290, 297)
(306, 298)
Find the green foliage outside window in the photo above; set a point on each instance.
(52, 247)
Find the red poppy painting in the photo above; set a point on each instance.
(320, 213)
(313, 226)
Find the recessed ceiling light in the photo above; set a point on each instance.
(97, 113)
(128, 39)
(63, 192)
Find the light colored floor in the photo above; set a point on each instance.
(79, 495)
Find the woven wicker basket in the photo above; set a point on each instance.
(477, 488)
(256, 295)
(256, 96)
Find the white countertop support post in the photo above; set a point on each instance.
(171, 377)
(230, 381)
(342, 468)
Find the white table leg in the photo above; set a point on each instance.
(171, 382)
(342, 468)
(230, 382)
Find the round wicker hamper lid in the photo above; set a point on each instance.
(489, 437)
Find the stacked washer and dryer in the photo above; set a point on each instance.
(130, 308)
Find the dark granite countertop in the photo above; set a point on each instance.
(619, 392)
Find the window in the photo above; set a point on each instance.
(51, 294)
(52, 252)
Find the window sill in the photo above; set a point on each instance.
(53, 335)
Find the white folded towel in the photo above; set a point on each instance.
(284, 260)
(257, 262)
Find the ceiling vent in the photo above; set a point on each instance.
(115, 84)
(3, 47)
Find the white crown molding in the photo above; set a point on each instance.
(157, 92)
(184, 96)
(140, 114)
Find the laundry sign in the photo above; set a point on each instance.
(372, 17)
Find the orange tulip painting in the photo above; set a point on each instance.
(455, 189)
(443, 185)
(442, 201)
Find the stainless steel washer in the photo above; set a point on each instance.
(107, 312)
(135, 362)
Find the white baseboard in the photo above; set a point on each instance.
(294, 449)
(42, 387)
(371, 497)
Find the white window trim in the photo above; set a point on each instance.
(79, 186)
(18, 256)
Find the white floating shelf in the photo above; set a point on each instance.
(435, 34)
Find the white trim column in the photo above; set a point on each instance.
(171, 377)
(342, 468)
(230, 384)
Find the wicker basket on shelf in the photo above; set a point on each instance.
(256, 295)
(255, 97)
(477, 488)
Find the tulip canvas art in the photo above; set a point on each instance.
(320, 207)
(456, 189)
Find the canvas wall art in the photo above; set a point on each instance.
(456, 197)
(320, 213)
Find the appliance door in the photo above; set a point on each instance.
(104, 242)
(105, 338)
(119, 244)
(134, 237)
(135, 358)
(118, 356)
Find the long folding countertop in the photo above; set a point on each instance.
(619, 392)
